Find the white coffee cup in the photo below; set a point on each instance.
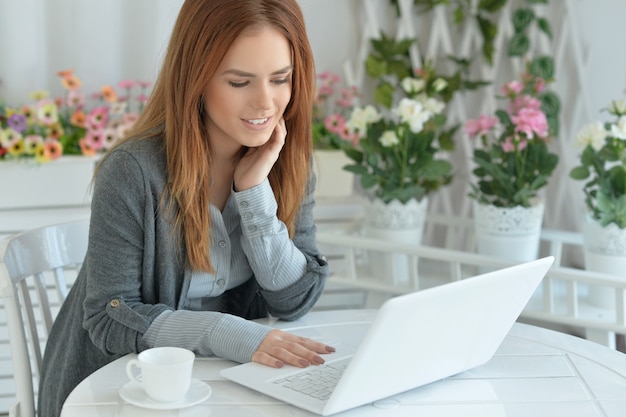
(165, 372)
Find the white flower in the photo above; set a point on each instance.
(433, 105)
(412, 85)
(360, 118)
(389, 138)
(619, 130)
(413, 113)
(592, 134)
(618, 107)
(439, 84)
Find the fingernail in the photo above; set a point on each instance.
(318, 360)
(304, 362)
(279, 364)
(330, 349)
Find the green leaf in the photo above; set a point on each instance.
(384, 94)
(368, 181)
(544, 26)
(543, 67)
(550, 103)
(459, 14)
(537, 1)
(375, 67)
(519, 44)
(579, 173)
(491, 6)
(522, 18)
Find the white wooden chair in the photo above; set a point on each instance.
(35, 266)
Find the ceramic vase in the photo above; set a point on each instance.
(508, 233)
(604, 251)
(332, 180)
(399, 223)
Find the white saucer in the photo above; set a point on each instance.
(133, 393)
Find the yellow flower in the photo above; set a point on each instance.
(31, 144)
(40, 153)
(39, 95)
(8, 137)
(47, 112)
(17, 148)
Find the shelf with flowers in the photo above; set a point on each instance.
(603, 170)
(333, 102)
(49, 147)
(513, 165)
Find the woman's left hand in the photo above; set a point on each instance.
(256, 164)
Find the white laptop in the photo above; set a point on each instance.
(414, 339)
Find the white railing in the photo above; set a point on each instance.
(562, 299)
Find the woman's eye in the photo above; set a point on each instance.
(281, 81)
(238, 85)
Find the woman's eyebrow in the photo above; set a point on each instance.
(241, 73)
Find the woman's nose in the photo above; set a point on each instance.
(262, 98)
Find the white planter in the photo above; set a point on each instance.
(508, 233)
(605, 251)
(398, 223)
(332, 180)
(59, 183)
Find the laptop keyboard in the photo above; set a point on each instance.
(316, 381)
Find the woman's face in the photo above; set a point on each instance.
(248, 94)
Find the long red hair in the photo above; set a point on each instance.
(202, 35)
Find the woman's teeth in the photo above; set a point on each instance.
(257, 121)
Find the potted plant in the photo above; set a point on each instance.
(603, 170)
(332, 105)
(513, 164)
(399, 157)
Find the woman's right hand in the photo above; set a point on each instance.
(280, 347)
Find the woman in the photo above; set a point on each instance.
(202, 218)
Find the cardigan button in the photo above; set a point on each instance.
(115, 303)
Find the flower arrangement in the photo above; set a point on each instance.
(397, 148)
(49, 128)
(512, 159)
(603, 167)
(332, 105)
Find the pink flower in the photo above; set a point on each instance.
(97, 118)
(524, 102)
(328, 78)
(509, 144)
(324, 91)
(540, 84)
(480, 126)
(349, 135)
(130, 118)
(95, 139)
(126, 84)
(530, 122)
(512, 88)
(335, 123)
(75, 98)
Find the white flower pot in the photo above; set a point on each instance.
(398, 223)
(61, 182)
(508, 233)
(605, 251)
(332, 180)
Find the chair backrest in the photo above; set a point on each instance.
(34, 269)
